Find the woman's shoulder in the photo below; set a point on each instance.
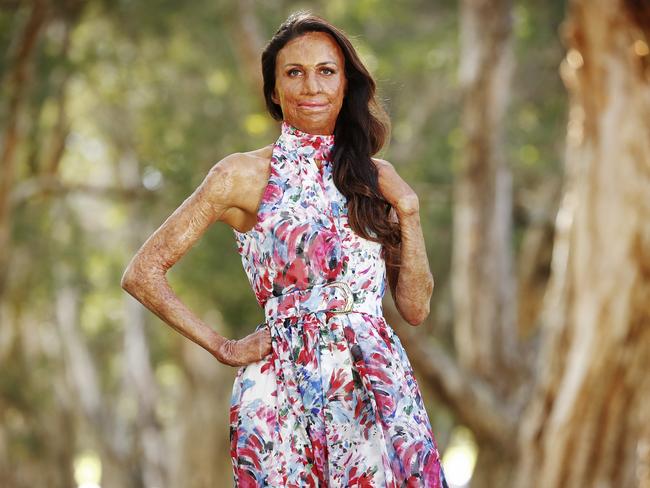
(236, 172)
(380, 162)
(245, 162)
(234, 182)
(383, 165)
(241, 167)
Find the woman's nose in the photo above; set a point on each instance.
(311, 84)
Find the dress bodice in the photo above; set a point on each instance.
(302, 236)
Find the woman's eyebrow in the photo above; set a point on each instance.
(318, 64)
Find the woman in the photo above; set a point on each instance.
(325, 395)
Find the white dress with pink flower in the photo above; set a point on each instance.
(335, 403)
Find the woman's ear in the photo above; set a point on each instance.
(274, 97)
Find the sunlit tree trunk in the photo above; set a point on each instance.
(83, 385)
(35, 413)
(201, 437)
(142, 388)
(482, 271)
(151, 449)
(588, 424)
(482, 264)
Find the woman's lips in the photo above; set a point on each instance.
(313, 105)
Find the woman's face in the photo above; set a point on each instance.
(310, 82)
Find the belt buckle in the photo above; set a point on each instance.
(347, 291)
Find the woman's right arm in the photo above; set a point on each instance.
(145, 277)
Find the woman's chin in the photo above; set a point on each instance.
(315, 123)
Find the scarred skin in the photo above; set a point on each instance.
(409, 278)
(310, 88)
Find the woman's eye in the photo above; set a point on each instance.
(328, 71)
(293, 72)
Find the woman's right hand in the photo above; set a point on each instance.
(247, 350)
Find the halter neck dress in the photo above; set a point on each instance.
(335, 403)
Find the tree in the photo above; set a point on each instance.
(583, 410)
(482, 271)
(588, 422)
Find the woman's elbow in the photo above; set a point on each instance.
(414, 312)
(129, 280)
(417, 316)
(134, 280)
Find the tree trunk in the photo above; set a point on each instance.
(151, 448)
(33, 419)
(249, 44)
(201, 440)
(141, 387)
(482, 276)
(588, 424)
(483, 285)
(19, 80)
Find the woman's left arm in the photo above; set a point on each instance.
(409, 277)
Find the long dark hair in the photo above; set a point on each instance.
(362, 128)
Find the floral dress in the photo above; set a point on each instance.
(335, 403)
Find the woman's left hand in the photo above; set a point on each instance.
(396, 191)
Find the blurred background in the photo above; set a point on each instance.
(524, 127)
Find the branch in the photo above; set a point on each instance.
(49, 185)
